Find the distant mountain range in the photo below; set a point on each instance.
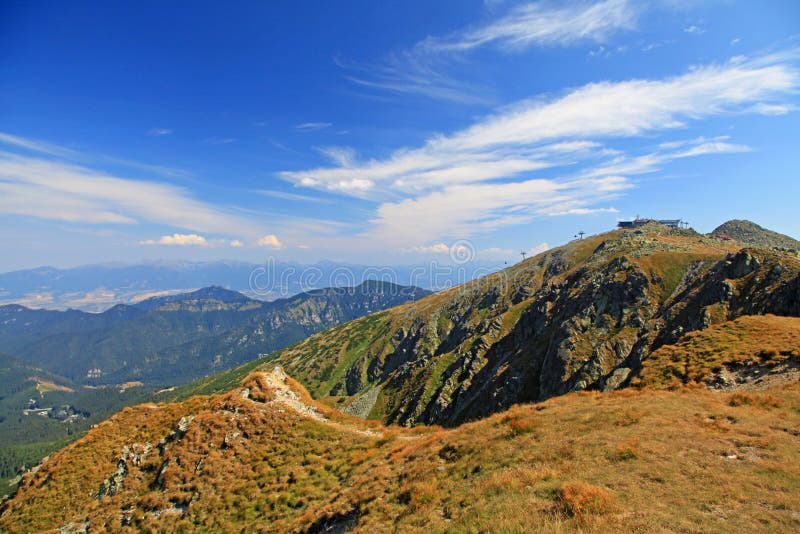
(171, 339)
(66, 370)
(95, 288)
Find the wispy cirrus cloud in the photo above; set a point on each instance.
(312, 126)
(529, 135)
(410, 72)
(219, 140)
(37, 146)
(295, 197)
(58, 151)
(422, 69)
(478, 179)
(56, 190)
(159, 132)
(544, 24)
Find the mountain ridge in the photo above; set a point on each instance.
(751, 233)
(582, 316)
(72, 343)
(213, 292)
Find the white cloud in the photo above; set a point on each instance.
(543, 24)
(236, 243)
(36, 146)
(653, 161)
(420, 70)
(478, 179)
(179, 240)
(657, 44)
(628, 108)
(510, 142)
(436, 248)
(341, 155)
(538, 249)
(764, 108)
(158, 132)
(270, 241)
(312, 126)
(694, 30)
(716, 147)
(283, 195)
(735, 41)
(462, 211)
(60, 191)
(220, 140)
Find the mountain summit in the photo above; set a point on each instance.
(752, 234)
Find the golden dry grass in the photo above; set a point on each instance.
(765, 341)
(684, 460)
(43, 386)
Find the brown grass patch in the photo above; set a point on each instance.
(764, 401)
(699, 357)
(581, 500)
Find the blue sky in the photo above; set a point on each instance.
(381, 132)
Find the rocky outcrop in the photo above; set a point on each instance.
(136, 454)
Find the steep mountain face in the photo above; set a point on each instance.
(265, 457)
(752, 234)
(580, 317)
(168, 340)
